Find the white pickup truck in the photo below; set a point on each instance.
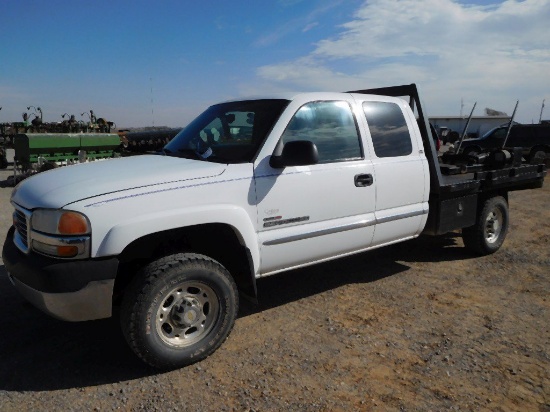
(248, 189)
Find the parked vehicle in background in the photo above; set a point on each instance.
(534, 139)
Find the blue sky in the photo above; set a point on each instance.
(140, 63)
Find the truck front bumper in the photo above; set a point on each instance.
(71, 290)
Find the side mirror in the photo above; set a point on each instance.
(296, 153)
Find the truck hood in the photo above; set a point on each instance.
(59, 187)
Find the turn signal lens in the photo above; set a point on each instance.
(55, 250)
(72, 223)
(67, 251)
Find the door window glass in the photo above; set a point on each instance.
(388, 129)
(331, 126)
(500, 133)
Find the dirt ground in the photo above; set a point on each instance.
(423, 325)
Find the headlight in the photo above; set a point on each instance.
(60, 233)
(60, 222)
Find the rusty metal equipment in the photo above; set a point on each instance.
(69, 124)
(147, 140)
(40, 144)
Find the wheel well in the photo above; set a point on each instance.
(217, 241)
(484, 196)
(488, 195)
(544, 148)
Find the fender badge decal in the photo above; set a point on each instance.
(276, 221)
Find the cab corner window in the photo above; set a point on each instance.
(388, 129)
(331, 126)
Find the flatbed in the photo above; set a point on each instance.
(455, 198)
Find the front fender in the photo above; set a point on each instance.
(133, 228)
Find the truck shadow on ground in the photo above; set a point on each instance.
(365, 267)
(40, 353)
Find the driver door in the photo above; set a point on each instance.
(313, 213)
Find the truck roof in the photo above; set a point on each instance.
(304, 95)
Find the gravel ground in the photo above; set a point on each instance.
(422, 325)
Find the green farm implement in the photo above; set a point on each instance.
(36, 152)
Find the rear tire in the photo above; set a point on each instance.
(179, 310)
(537, 156)
(489, 232)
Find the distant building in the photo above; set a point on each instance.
(479, 125)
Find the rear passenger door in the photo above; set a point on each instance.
(401, 173)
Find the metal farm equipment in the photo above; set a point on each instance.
(35, 152)
(147, 140)
(41, 146)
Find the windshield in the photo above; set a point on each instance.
(227, 132)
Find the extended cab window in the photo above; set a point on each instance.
(331, 126)
(388, 129)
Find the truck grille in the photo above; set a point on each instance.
(21, 219)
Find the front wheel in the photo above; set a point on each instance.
(489, 232)
(179, 310)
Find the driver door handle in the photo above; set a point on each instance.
(363, 180)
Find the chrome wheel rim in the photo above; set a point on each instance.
(493, 225)
(187, 314)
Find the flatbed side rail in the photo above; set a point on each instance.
(513, 178)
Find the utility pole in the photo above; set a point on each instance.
(541, 109)
(461, 109)
(152, 105)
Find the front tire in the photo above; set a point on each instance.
(489, 232)
(179, 310)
